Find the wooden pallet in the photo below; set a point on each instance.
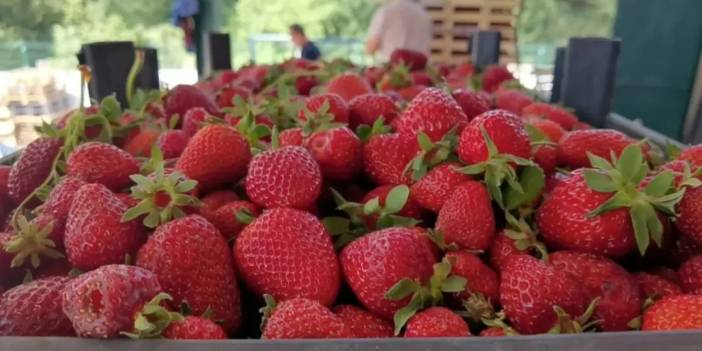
(455, 21)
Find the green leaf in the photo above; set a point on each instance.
(110, 108)
(404, 314)
(638, 215)
(141, 208)
(454, 284)
(372, 206)
(618, 200)
(364, 132)
(660, 185)
(491, 147)
(532, 181)
(424, 142)
(599, 181)
(598, 162)
(630, 161)
(535, 134)
(403, 288)
(396, 199)
(244, 216)
(336, 225)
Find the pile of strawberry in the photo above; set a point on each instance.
(323, 200)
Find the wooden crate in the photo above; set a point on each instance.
(455, 21)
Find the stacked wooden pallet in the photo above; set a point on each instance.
(456, 20)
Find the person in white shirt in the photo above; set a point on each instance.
(399, 24)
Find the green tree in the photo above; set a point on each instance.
(554, 21)
(29, 20)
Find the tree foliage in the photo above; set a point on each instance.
(554, 21)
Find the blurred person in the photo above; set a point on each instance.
(399, 24)
(308, 50)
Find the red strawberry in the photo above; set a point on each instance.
(415, 60)
(436, 322)
(410, 92)
(299, 257)
(529, 291)
(191, 259)
(103, 302)
(550, 112)
(504, 128)
(225, 97)
(172, 143)
(494, 76)
(512, 100)
(348, 86)
(34, 309)
(291, 137)
(385, 158)
(575, 145)
(550, 129)
(691, 275)
(677, 312)
(564, 222)
(433, 112)
(421, 78)
(214, 200)
(336, 106)
(466, 218)
(304, 84)
(493, 331)
(503, 247)
(338, 152)
(217, 155)
(95, 234)
(546, 156)
(432, 190)
(693, 154)
(102, 163)
(59, 201)
(472, 103)
(32, 167)
(462, 70)
(375, 262)
(301, 318)
(194, 328)
(227, 217)
(620, 300)
(366, 108)
(285, 177)
(139, 143)
(4, 177)
(651, 285)
(10, 275)
(182, 98)
(363, 324)
(689, 209)
(194, 120)
(481, 278)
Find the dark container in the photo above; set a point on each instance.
(485, 48)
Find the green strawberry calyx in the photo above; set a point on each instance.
(163, 196)
(498, 321)
(153, 319)
(622, 178)
(31, 242)
(565, 323)
(365, 132)
(431, 154)
(478, 308)
(524, 236)
(423, 296)
(267, 310)
(318, 121)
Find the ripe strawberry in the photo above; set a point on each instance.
(493, 331)
(285, 177)
(553, 113)
(620, 299)
(299, 257)
(564, 222)
(502, 248)
(689, 209)
(504, 128)
(348, 86)
(433, 112)
(172, 143)
(462, 70)
(301, 318)
(375, 262)
(225, 97)
(191, 259)
(546, 156)
(472, 103)
(5, 199)
(232, 217)
(214, 200)
(95, 162)
(432, 190)
(529, 291)
(34, 309)
(139, 143)
(59, 201)
(683, 249)
(691, 275)
(385, 158)
(410, 92)
(575, 145)
(466, 218)
(217, 155)
(95, 234)
(481, 278)
(436, 322)
(194, 328)
(363, 324)
(415, 60)
(494, 76)
(512, 100)
(677, 312)
(194, 120)
(291, 137)
(335, 105)
(366, 108)
(550, 129)
(338, 152)
(103, 302)
(421, 78)
(32, 167)
(304, 84)
(10, 275)
(693, 154)
(652, 285)
(41, 237)
(183, 97)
